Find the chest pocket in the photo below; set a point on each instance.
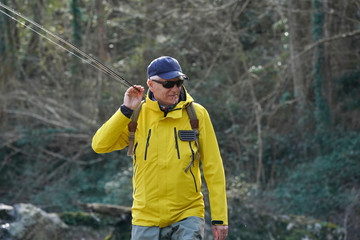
(141, 150)
(186, 147)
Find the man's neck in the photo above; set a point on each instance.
(164, 107)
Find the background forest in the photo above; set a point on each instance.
(280, 79)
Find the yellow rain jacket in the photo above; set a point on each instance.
(163, 192)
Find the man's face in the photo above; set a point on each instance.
(165, 96)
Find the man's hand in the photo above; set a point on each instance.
(220, 231)
(133, 96)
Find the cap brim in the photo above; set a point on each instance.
(171, 75)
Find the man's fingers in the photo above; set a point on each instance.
(223, 235)
(215, 233)
(135, 91)
(139, 90)
(220, 232)
(133, 95)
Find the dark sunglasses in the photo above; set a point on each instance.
(170, 84)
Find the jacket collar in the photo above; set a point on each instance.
(174, 112)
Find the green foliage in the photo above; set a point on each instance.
(118, 188)
(256, 224)
(86, 185)
(122, 230)
(322, 187)
(348, 90)
(57, 181)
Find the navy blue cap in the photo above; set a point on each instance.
(165, 67)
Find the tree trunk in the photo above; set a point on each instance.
(102, 56)
(298, 18)
(76, 70)
(322, 115)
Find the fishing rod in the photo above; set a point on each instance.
(77, 52)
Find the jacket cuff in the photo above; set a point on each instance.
(126, 111)
(217, 222)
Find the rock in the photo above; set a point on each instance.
(6, 213)
(6, 216)
(27, 222)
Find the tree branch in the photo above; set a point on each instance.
(324, 40)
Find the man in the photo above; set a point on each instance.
(167, 202)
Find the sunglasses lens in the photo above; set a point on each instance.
(171, 84)
(179, 83)
(168, 84)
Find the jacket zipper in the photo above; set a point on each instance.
(176, 143)
(147, 143)
(191, 163)
(194, 179)
(135, 153)
(134, 175)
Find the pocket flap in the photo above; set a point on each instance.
(187, 135)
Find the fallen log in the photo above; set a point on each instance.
(106, 209)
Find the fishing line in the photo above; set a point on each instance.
(80, 54)
(24, 24)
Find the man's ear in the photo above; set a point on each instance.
(150, 84)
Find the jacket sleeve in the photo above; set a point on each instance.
(213, 169)
(112, 135)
